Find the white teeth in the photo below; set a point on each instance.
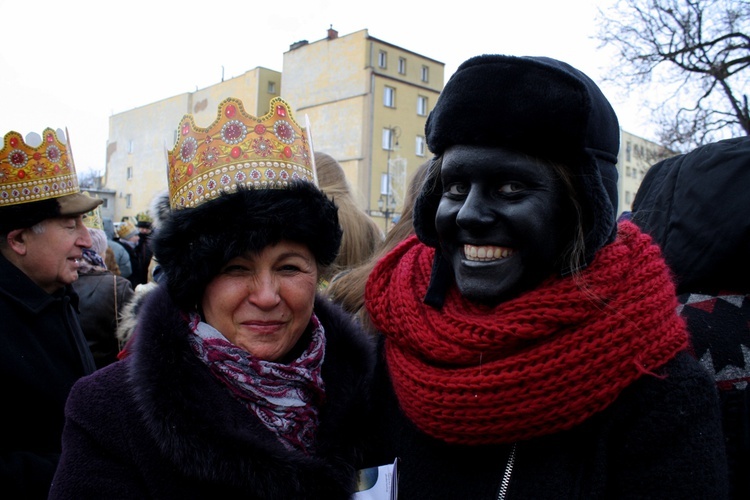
(486, 253)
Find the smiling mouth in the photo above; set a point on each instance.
(486, 253)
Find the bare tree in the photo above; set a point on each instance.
(691, 57)
(90, 179)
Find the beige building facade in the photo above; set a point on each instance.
(139, 139)
(635, 158)
(366, 100)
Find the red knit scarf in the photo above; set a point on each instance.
(534, 365)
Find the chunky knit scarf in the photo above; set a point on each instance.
(285, 397)
(540, 363)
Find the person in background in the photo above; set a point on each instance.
(128, 237)
(695, 206)
(144, 223)
(120, 253)
(42, 240)
(348, 289)
(238, 382)
(102, 295)
(530, 345)
(362, 236)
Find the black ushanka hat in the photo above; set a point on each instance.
(237, 186)
(534, 105)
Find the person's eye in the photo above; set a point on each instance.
(290, 268)
(457, 189)
(511, 187)
(233, 269)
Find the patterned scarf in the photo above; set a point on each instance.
(537, 364)
(285, 397)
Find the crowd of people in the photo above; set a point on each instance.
(508, 338)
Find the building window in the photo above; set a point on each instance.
(129, 173)
(128, 200)
(627, 197)
(388, 139)
(627, 152)
(271, 87)
(382, 59)
(420, 145)
(425, 74)
(627, 171)
(401, 66)
(421, 105)
(389, 97)
(131, 147)
(105, 204)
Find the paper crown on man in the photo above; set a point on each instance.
(144, 219)
(38, 180)
(126, 230)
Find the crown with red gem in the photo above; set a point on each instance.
(238, 150)
(36, 169)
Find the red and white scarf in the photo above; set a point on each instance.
(285, 397)
(537, 364)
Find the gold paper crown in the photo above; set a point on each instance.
(238, 150)
(126, 228)
(143, 219)
(93, 219)
(33, 173)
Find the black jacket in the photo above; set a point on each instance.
(697, 208)
(43, 353)
(102, 296)
(159, 425)
(636, 448)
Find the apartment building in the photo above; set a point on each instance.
(366, 100)
(635, 158)
(138, 140)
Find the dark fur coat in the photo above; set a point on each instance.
(158, 425)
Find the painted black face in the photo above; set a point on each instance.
(503, 221)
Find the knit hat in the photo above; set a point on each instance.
(38, 180)
(237, 186)
(534, 105)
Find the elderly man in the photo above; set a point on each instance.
(44, 352)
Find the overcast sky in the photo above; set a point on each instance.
(74, 63)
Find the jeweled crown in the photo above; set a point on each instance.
(33, 172)
(238, 150)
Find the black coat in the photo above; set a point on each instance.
(43, 352)
(636, 448)
(696, 208)
(159, 425)
(102, 295)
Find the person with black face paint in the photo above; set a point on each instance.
(530, 345)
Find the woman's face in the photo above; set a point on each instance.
(263, 302)
(503, 221)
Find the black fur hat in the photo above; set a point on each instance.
(534, 105)
(192, 244)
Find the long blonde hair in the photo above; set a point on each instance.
(361, 235)
(348, 289)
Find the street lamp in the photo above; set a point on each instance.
(386, 201)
